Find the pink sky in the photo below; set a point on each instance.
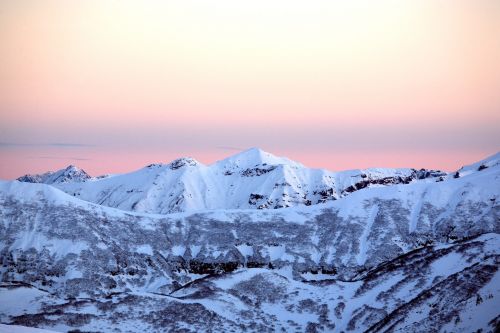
(333, 84)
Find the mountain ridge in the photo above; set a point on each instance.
(250, 179)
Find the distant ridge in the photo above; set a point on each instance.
(251, 179)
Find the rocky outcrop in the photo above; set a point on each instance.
(182, 162)
(394, 180)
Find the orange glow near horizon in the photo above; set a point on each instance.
(333, 84)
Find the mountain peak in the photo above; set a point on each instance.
(255, 156)
(72, 167)
(183, 161)
(69, 174)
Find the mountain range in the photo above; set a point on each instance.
(253, 243)
(251, 179)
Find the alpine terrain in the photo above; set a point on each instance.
(252, 243)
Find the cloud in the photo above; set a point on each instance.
(52, 144)
(60, 158)
(69, 145)
(230, 148)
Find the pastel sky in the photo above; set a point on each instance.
(113, 85)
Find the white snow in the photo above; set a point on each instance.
(146, 249)
(22, 329)
(276, 252)
(195, 249)
(415, 213)
(178, 250)
(363, 246)
(19, 298)
(245, 250)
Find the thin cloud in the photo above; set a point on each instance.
(60, 158)
(230, 148)
(51, 144)
(69, 145)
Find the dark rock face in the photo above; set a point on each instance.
(211, 267)
(154, 165)
(482, 167)
(254, 198)
(425, 173)
(260, 201)
(182, 162)
(257, 171)
(383, 181)
(386, 181)
(325, 195)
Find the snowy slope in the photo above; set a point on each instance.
(251, 179)
(21, 329)
(411, 257)
(451, 288)
(359, 230)
(489, 162)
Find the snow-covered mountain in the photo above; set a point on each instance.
(250, 179)
(71, 174)
(416, 257)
